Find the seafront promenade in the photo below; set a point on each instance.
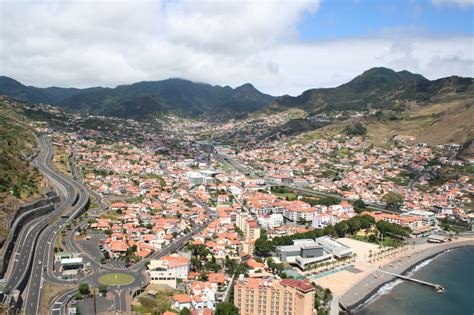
(362, 290)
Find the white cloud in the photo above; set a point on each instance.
(71, 43)
(460, 3)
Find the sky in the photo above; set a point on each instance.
(280, 46)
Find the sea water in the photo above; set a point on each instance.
(453, 269)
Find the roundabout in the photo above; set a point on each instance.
(115, 279)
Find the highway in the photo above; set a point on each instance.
(76, 200)
(32, 258)
(19, 267)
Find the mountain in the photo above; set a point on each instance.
(51, 95)
(375, 88)
(13, 88)
(173, 95)
(145, 99)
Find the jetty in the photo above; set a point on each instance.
(435, 286)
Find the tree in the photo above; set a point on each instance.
(185, 311)
(359, 205)
(196, 263)
(393, 200)
(203, 276)
(230, 264)
(84, 289)
(302, 221)
(341, 228)
(356, 129)
(387, 228)
(102, 288)
(226, 309)
(263, 246)
(329, 230)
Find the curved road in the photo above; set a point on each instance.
(75, 199)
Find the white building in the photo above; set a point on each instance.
(321, 220)
(332, 246)
(296, 213)
(270, 221)
(168, 269)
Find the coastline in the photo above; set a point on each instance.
(362, 291)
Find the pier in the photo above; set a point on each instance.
(435, 286)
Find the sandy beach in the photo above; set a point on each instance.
(353, 289)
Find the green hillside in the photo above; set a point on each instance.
(19, 180)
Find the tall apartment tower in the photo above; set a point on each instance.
(274, 297)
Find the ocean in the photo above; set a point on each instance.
(453, 269)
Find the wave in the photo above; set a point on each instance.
(383, 290)
(415, 268)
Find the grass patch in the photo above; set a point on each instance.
(114, 279)
(58, 241)
(112, 215)
(288, 196)
(150, 303)
(60, 160)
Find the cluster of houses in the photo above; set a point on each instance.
(355, 169)
(140, 227)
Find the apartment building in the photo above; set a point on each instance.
(413, 222)
(270, 221)
(167, 270)
(274, 297)
(248, 226)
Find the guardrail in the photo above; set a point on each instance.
(24, 215)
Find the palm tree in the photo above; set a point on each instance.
(306, 269)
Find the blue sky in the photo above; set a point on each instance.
(336, 19)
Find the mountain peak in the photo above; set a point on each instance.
(7, 82)
(381, 77)
(246, 86)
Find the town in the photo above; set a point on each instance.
(180, 223)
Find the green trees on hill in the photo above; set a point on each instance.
(356, 129)
(393, 200)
